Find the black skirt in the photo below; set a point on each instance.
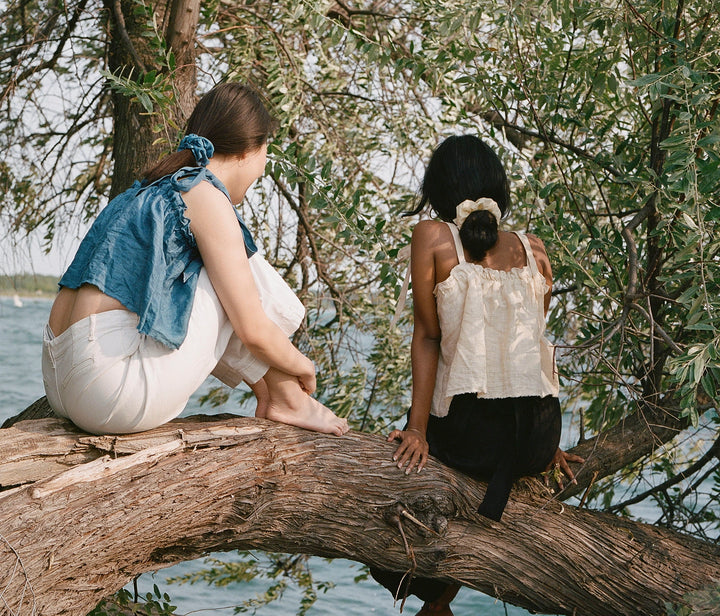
(497, 440)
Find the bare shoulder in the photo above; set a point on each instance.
(205, 192)
(540, 254)
(431, 232)
(537, 245)
(535, 242)
(204, 202)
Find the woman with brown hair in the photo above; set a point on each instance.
(167, 287)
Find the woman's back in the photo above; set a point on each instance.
(491, 315)
(506, 255)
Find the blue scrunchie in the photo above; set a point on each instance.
(201, 147)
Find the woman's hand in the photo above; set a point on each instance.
(559, 465)
(306, 378)
(413, 449)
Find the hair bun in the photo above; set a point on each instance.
(479, 233)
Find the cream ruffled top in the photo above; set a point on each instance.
(493, 325)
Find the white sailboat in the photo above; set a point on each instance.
(17, 302)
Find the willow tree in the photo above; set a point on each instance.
(605, 113)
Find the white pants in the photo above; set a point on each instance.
(106, 377)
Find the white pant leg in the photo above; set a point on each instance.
(282, 307)
(106, 377)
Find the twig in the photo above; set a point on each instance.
(409, 574)
(587, 490)
(658, 328)
(405, 513)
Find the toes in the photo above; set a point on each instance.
(341, 426)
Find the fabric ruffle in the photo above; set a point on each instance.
(141, 251)
(520, 276)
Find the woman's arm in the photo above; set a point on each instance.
(543, 263)
(561, 458)
(425, 349)
(220, 242)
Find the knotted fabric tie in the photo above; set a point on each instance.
(201, 147)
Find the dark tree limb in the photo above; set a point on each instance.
(713, 452)
(630, 440)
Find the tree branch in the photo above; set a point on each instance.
(711, 453)
(52, 61)
(81, 515)
(125, 37)
(495, 118)
(303, 220)
(634, 437)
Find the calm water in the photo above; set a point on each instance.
(21, 384)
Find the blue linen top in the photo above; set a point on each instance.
(140, 251)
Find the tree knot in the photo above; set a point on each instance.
(427, 514)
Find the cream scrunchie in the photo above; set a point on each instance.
(464, 210)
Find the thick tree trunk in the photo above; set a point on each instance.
(132, 54)
(81, 515)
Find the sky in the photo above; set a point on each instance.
(27, 255)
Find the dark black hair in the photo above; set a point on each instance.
(465, 167)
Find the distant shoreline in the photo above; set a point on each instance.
(23, 295)
(28, 285)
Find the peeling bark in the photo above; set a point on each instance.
(80, 515)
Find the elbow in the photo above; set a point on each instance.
(426, 340)
(254, 344)
(426, 335)
(255, 336)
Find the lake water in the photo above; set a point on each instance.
(21, 384)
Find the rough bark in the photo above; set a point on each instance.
(134, 54)
(636, 436)
(81, 515)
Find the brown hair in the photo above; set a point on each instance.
(231, 116)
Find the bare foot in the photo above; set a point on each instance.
(262, 397)
(289, 404)
(306, 412)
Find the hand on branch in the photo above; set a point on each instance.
(559, 468)
(413, 450)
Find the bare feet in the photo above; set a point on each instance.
(306, 412)
(289, 404)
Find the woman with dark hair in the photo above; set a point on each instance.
(167, 287)
(484, 396)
